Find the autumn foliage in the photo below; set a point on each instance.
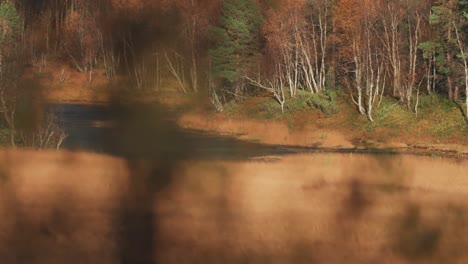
(372, 48)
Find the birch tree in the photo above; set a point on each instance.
(297, 34)
(463, 56)
(366, 76)
(196, 15)
(401, 22)
(282, 31)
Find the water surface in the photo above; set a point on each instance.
(94, 127)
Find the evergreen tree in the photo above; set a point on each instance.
(9, 24)
(235, 41)
(10, 31)
(443, 47)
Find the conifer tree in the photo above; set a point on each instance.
(446, 17)
(235, 42)
(10, 29)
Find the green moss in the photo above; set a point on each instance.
(325, 102)
(392, 115)
(299, 102)
(430, 103)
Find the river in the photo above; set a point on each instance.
(90, 127)
(221, 203)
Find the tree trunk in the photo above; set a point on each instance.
(450, 87)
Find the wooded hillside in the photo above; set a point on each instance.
(369, 49)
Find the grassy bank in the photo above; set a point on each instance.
(326, 120)
(333, 121)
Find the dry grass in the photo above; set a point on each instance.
(58, 207)
(268, 132)
(325, 133)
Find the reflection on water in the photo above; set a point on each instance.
(323, 208)
(181, 205)
(79, 123)
(89, 126)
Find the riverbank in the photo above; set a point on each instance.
(315, 122)
(438, 130)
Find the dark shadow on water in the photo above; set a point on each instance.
(154, 147)
(89, 127)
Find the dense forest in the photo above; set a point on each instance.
(369, 49)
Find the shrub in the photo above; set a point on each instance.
(325, 102)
